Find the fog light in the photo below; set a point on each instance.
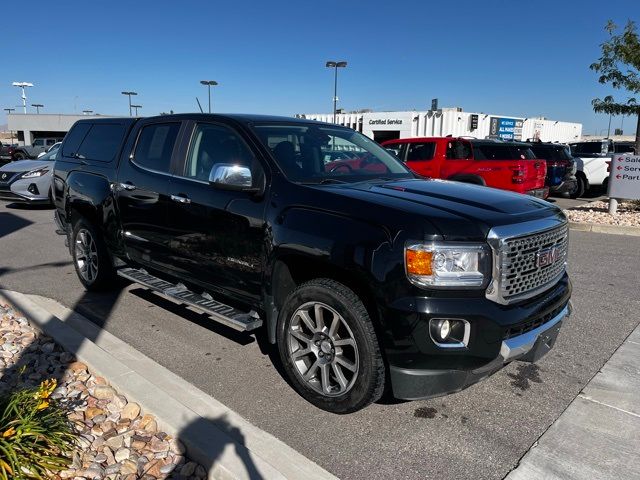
(444, 328)
(450, 332)
(33, 189)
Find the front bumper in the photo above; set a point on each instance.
(27, 190)
(409, 384)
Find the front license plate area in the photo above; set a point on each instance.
(545, 342)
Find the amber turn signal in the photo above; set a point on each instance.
(419, 262)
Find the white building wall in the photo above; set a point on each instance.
(450, 121)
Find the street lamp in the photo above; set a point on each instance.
(136, 107)
(129, 95)
(335, 66)
(23, 85)
(209, 84)
(38, 107)
(9, 110)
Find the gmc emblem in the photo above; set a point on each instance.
(547, 257)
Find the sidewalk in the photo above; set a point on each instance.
(598, 435)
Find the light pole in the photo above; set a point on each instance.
(129, 95)
(209, 84)
(335, 66)
(38, 107)
(23, 85)
(136, 107)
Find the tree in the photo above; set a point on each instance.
(619, 66)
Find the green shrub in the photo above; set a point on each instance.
(36, 437)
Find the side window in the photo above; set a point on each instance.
(397, 149)
(421, 151)
(74, 138)
(38, 142)
(102, 142)
(215, 144)
(50, 141)
(155, 146)
(457, 150)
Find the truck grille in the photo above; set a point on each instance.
(532, 262)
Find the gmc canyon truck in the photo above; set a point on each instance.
(367, 280)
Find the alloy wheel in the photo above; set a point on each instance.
(86, 255)
(323, 349)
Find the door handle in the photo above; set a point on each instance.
(127, 186)
(180, 199)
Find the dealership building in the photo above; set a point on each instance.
(29, 126)
(383, 126)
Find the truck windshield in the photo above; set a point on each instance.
(319, 154)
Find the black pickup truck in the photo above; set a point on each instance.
(366, 277)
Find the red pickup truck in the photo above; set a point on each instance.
(493, 163)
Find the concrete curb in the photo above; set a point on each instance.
(213, 434)
(611, 229)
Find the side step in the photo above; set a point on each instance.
(219, 312)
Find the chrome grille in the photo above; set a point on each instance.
(518, 260)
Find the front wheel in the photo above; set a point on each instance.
(329, 347)
(91, 258)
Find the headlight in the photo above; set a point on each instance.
(36, 173)
(447, 264)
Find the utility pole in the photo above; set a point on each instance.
(129, 95)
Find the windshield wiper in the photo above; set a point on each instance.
(324, 181)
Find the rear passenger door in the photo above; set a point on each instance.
(142, 193)
(420, 158)
(458, 159)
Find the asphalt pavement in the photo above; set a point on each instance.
(480, 433)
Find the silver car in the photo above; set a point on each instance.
(28, 180)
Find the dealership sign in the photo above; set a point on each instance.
(385, 121)
(624, 179)
(506, 128)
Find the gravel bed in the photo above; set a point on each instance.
(628, 214)
(117, 440)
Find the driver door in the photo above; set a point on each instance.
(217, 235)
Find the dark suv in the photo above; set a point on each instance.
(561, 167)
(366, 277)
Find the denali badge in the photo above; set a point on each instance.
(547, 256)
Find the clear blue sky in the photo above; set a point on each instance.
(505, 57)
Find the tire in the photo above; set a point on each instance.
(581, 188)
(91, 258)
(343, 363)
(19, 156)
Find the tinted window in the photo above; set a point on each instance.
(457, 150)
(74, 138)
(623, 148)
(212, 145)
(421, 151)
(155, 146)
(38, 142)
(502, 152)
(554, 153)
(51, 141)
(589, 148)
(102, 142)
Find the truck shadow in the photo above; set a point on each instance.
(10, 223)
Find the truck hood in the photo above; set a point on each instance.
(457, 210)
(25, 165)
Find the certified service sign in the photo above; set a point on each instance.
(624, 180)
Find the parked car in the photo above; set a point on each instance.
(506, 165)
(561, 168)
(364, 278)
(591, 161)
(6, 152)
(38, 146)
(28, 181)
(52, 148)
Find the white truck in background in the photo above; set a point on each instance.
(592, 158)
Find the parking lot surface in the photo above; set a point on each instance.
(481, 432)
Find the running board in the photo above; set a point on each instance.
(229, 316)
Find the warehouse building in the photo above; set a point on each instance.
(29, 126)
(383, 126)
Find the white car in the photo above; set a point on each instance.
(592, 161)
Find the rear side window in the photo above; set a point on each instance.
(421, 151)
(503, 152)
(102, 142)
(623, 148)
(74, 138)
(155, 146)
(457, 150)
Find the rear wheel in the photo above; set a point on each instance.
(329, 348)
(90, 257)
(19, 156)
(581, 187)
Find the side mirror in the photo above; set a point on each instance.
(231, 177)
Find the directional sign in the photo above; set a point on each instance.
(624, 179)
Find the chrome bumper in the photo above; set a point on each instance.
(519, 346)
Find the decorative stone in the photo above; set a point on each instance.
(103, 392)
(130, 411)
(122, 454)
